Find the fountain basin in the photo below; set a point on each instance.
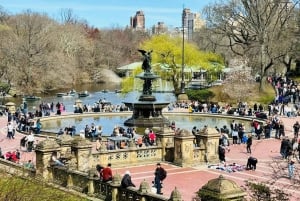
(147, 114)
(109, 120)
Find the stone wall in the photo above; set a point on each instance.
(16, 169)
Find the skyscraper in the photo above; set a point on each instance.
(137, 22)
(187, 23)
(191, 22)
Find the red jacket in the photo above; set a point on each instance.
(106, 174)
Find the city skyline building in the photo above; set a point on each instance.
(137, 21)
(159, 28)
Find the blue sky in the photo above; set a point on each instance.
(110, 13)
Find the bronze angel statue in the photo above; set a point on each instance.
(146, 66)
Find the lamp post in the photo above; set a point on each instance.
(182, 96)
(182, 85)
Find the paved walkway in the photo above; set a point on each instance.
(190, 180)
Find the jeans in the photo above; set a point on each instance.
(291, 170)
(157, 185)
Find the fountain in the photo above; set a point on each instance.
(147, 111)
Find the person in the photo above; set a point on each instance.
(221, 153)
(18, 155)
(160, 174)
(126, 180)
(234, 137)
(98, 143)
(10, 129)
(87, 131)
(106, 173)
(60, 132)
(152, 137)
(249, 143)
(30, 141)
(29, 165)
(139, 141)
(93, 131)
(296, 128)
(99, 169)
(38, 126)
(251, 163)
(55, 160)
(291, 169)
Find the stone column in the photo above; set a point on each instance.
(209, 138)
(65, 142)
(91, 187)
(175, 195)
(165, 139)
(144, 189)
(44, 151)
(82, 150)
(221, 189)
(116, 182)
(184, 148)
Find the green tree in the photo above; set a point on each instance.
(167, 51)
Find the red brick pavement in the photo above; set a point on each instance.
(190, 180)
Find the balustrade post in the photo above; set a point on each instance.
(44, 151)
(91, 187)
(116, 183)
(83, 153)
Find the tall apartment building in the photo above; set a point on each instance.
(191, 22)
(137, 21)
(160, 28)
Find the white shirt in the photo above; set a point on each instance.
(30, 138)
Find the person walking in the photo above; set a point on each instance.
(249, 143)
(160, 174)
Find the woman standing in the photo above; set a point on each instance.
(249, 143)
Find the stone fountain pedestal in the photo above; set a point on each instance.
(147, 111)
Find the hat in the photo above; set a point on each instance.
(127, 172)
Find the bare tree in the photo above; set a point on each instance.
(30, 49)
(253, 28)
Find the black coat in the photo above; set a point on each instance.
(126, 181)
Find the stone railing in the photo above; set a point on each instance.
(15, 169)
(128, 156)
(94, 187)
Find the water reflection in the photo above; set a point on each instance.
(96, 93)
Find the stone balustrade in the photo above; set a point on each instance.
(78, 173)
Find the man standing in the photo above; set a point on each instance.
(106, 173)
(160, 174)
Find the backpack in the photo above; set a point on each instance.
(163, 174)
